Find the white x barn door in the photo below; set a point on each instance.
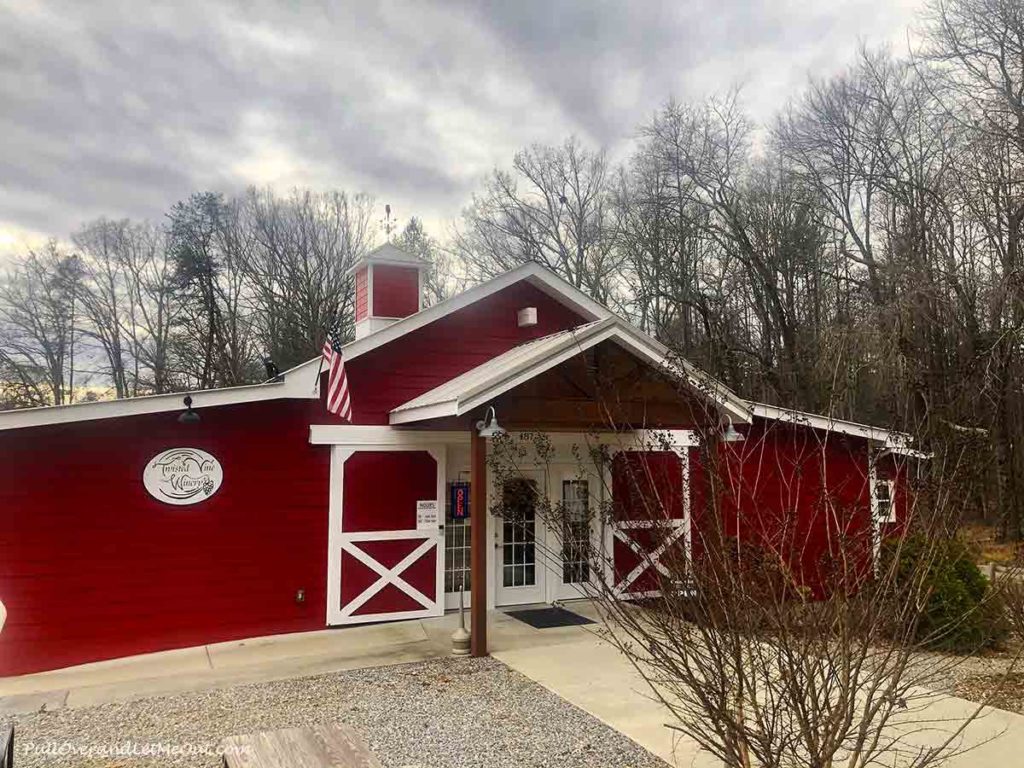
(640, 542)
(388, 574)
(625, 532)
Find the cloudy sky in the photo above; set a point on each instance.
(120, 109)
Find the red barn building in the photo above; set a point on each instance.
(125, 529)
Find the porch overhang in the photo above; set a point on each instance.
(487, 381)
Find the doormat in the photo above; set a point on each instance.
(546, 618)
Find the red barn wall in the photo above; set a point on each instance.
(429, 356)
(800, 496)
(396, 290)
(92, 567)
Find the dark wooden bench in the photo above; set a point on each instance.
(318, 746)
(6, 746)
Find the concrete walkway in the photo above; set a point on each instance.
(572, 662)
(594, 676)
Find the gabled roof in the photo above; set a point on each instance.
(301, 381)
(537, 276)
(507, 371)
(388, 254)
(487, 380)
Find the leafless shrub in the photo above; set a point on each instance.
(785, 634)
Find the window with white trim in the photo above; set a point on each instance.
(576, 532)
(883, 499)
(456, 549)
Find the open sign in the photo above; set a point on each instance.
(459, 501)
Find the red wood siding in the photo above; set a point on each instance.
(93, 567)
(396, 290)
(797, 495)
(362, 301)
(427, 357)
(382, 488)
(801, 496)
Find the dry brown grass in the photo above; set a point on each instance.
(985, 547)
(1004, 691)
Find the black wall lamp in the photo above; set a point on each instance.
(189, 416)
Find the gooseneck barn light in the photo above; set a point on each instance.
(731, 434)
(189, 416)
(488, 426)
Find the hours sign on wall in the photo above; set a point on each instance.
(427, 517)
(182, 476)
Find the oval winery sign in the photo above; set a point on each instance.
(182, 476)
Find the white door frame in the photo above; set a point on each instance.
(557, 589)
(536, 592)
(337, 540)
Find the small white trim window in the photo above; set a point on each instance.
(883, 499)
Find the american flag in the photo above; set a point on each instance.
(338, 400)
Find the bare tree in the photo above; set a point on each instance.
(209, 247)
(106, 298)
(297, 267)
(553, 209)
(154, 309)
(976, 47)
(39, 325)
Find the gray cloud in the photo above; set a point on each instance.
(120, 109)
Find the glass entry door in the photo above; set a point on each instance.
(519, 542)
(572, 545)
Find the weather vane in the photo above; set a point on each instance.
(387, 222)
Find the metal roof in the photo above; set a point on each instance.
(896, 441)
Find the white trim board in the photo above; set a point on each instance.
(365, 437)
(293, 387)
(357, 436)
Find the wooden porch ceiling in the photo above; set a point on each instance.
(604, 388)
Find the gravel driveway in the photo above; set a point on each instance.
(436, 714)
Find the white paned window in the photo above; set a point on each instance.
(883, 500)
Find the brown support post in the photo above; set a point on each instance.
(478, 544)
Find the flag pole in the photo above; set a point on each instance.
(316, 381)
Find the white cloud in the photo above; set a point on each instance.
(120, 109)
